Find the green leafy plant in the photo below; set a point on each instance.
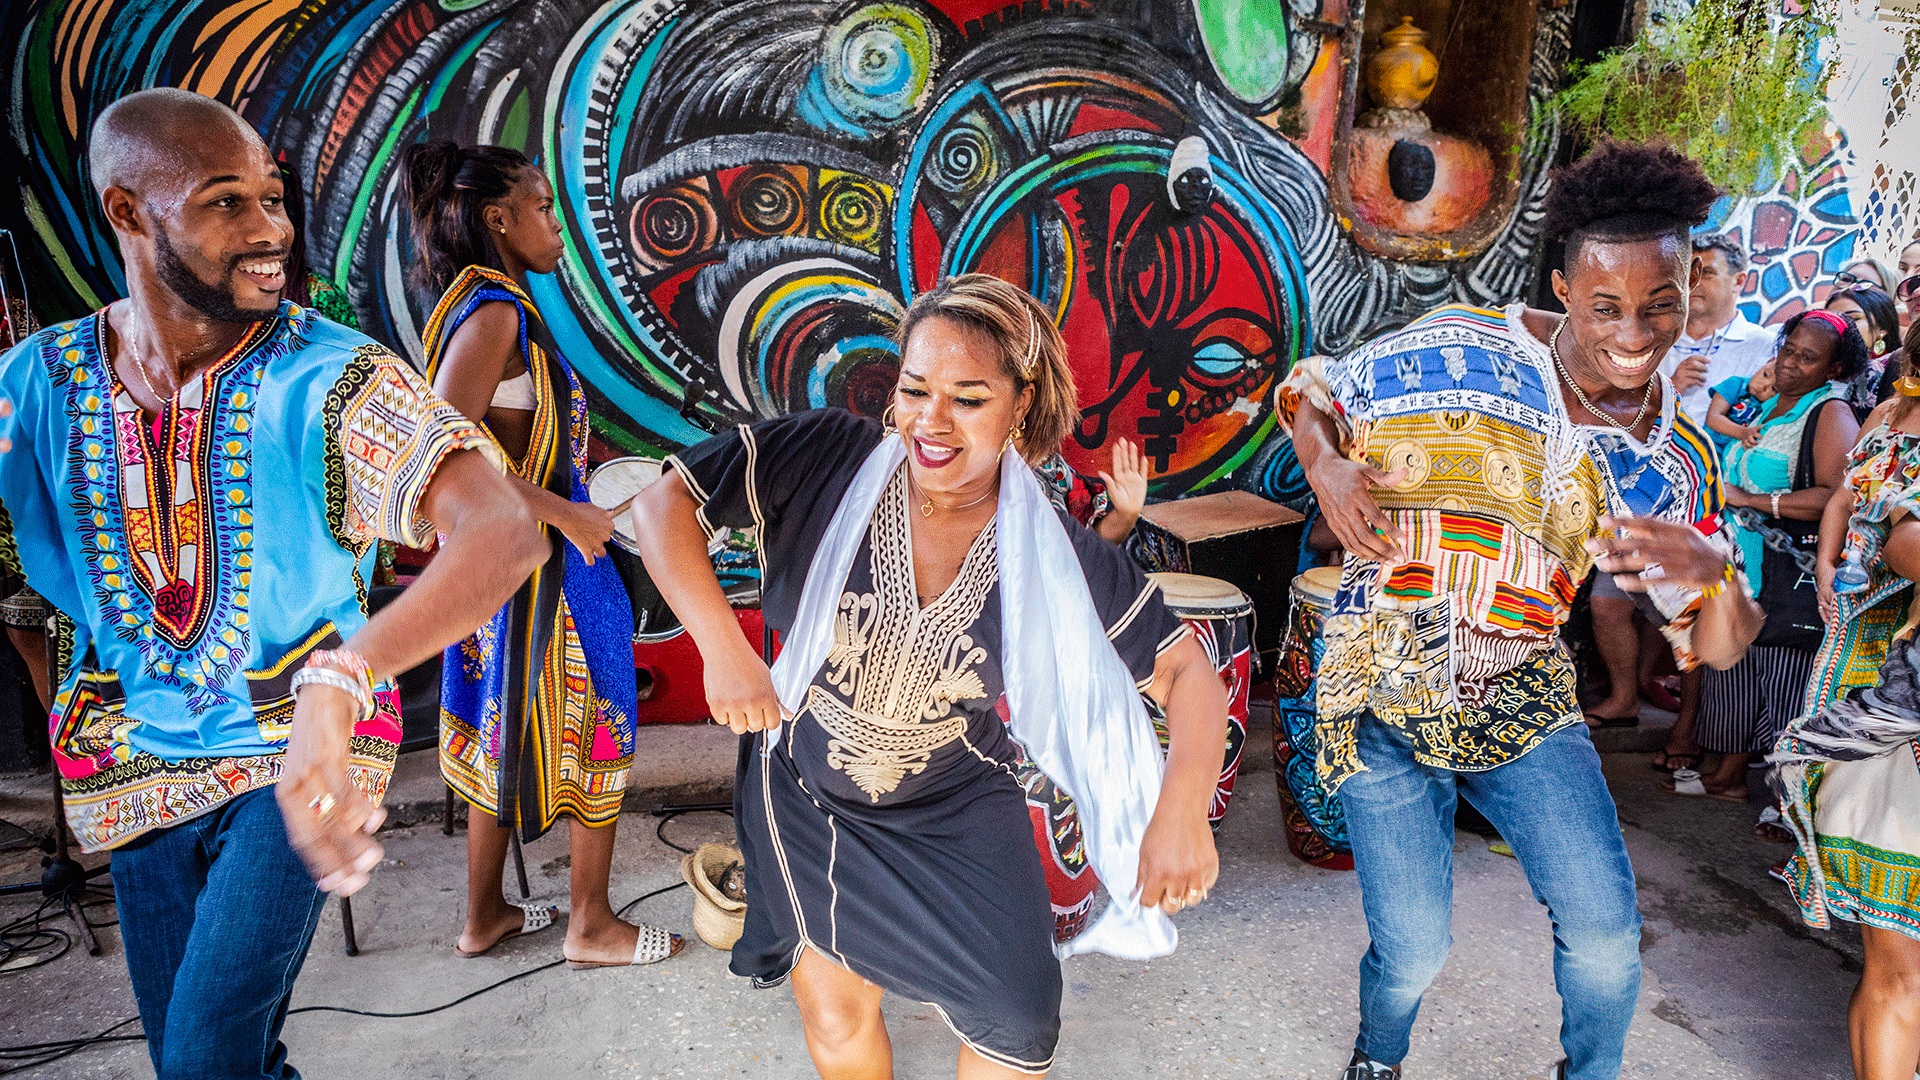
(1732, 84)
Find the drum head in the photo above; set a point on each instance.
(1199, 595)
(1318, 585)
(616, 482)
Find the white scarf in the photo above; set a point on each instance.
(1073, 702)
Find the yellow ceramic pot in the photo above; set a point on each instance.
(1401, 73)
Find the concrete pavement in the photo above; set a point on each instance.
(1263, 984)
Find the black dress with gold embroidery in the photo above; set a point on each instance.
(886, 829)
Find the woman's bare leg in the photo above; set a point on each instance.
(593, 931)
(32, 647)
(1884, 1015)
(489, 916)
(841, 1011)
(974, 1067)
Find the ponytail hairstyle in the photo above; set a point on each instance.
(1031, 351)
(447, 186)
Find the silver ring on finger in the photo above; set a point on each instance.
(322, 805)
(1653, 571)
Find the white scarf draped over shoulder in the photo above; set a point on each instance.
(1073, 702)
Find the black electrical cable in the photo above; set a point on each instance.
(68, 1046)
(64, 1047)
(660, 830)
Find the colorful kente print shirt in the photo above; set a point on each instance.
(1458, 646)
(203, 552)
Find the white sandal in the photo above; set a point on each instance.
(533, 919)
(652, 946)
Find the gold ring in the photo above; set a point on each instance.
(322, 805)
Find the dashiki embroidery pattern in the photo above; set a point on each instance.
(893, 658)
(1498, 490)
(569, 750)
(180, 697)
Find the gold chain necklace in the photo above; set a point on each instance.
(927, 504)
(1646, 399)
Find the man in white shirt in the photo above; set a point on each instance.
(1719, 343)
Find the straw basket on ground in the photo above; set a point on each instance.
(717, 918)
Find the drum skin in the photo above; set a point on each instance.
(1316, 826)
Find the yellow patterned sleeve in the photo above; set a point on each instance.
(386, 434)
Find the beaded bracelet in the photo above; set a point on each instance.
(1718, 587)
(329, 677)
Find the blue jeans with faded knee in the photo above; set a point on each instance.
(216, 914)
(1552, 807)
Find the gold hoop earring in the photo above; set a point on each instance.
(886, 419)
(1019, 430)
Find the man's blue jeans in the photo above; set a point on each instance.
(216, 915)
(1553, 808)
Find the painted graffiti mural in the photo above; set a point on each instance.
(752, 189)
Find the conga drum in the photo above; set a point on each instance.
(1221, 618)
(1071, 881)
(1316, 827)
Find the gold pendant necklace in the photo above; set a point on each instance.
(1646, 399)
(927, 504)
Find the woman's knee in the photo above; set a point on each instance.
(1892, 970)
(836, 1005)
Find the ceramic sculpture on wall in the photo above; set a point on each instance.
(1423, 175)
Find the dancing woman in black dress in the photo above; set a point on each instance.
(916, 572)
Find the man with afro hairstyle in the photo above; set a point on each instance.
(1476, 465)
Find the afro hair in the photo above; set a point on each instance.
(1625, 192)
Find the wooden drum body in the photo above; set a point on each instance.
(1316, 826)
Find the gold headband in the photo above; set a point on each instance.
(1033, 347)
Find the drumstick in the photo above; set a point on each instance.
(615, 512)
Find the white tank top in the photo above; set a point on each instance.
(514, 393)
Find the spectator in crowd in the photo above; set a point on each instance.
(1877, 317)
(1719, 343)
(1904, 291)
(1737, 405)
(1866, 272)
(1777, 486)
(1848, 763)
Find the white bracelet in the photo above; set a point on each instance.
(345, 683)
(1776, 503)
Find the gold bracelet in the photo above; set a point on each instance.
(1718, 587)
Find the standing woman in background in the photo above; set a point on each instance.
(1877, 317)
(1848, 769)
(537, 708)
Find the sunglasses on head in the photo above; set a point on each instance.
(1849, 283)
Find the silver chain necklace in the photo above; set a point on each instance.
(1646, 399)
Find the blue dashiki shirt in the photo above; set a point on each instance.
(194, 591)
(1458, 646)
